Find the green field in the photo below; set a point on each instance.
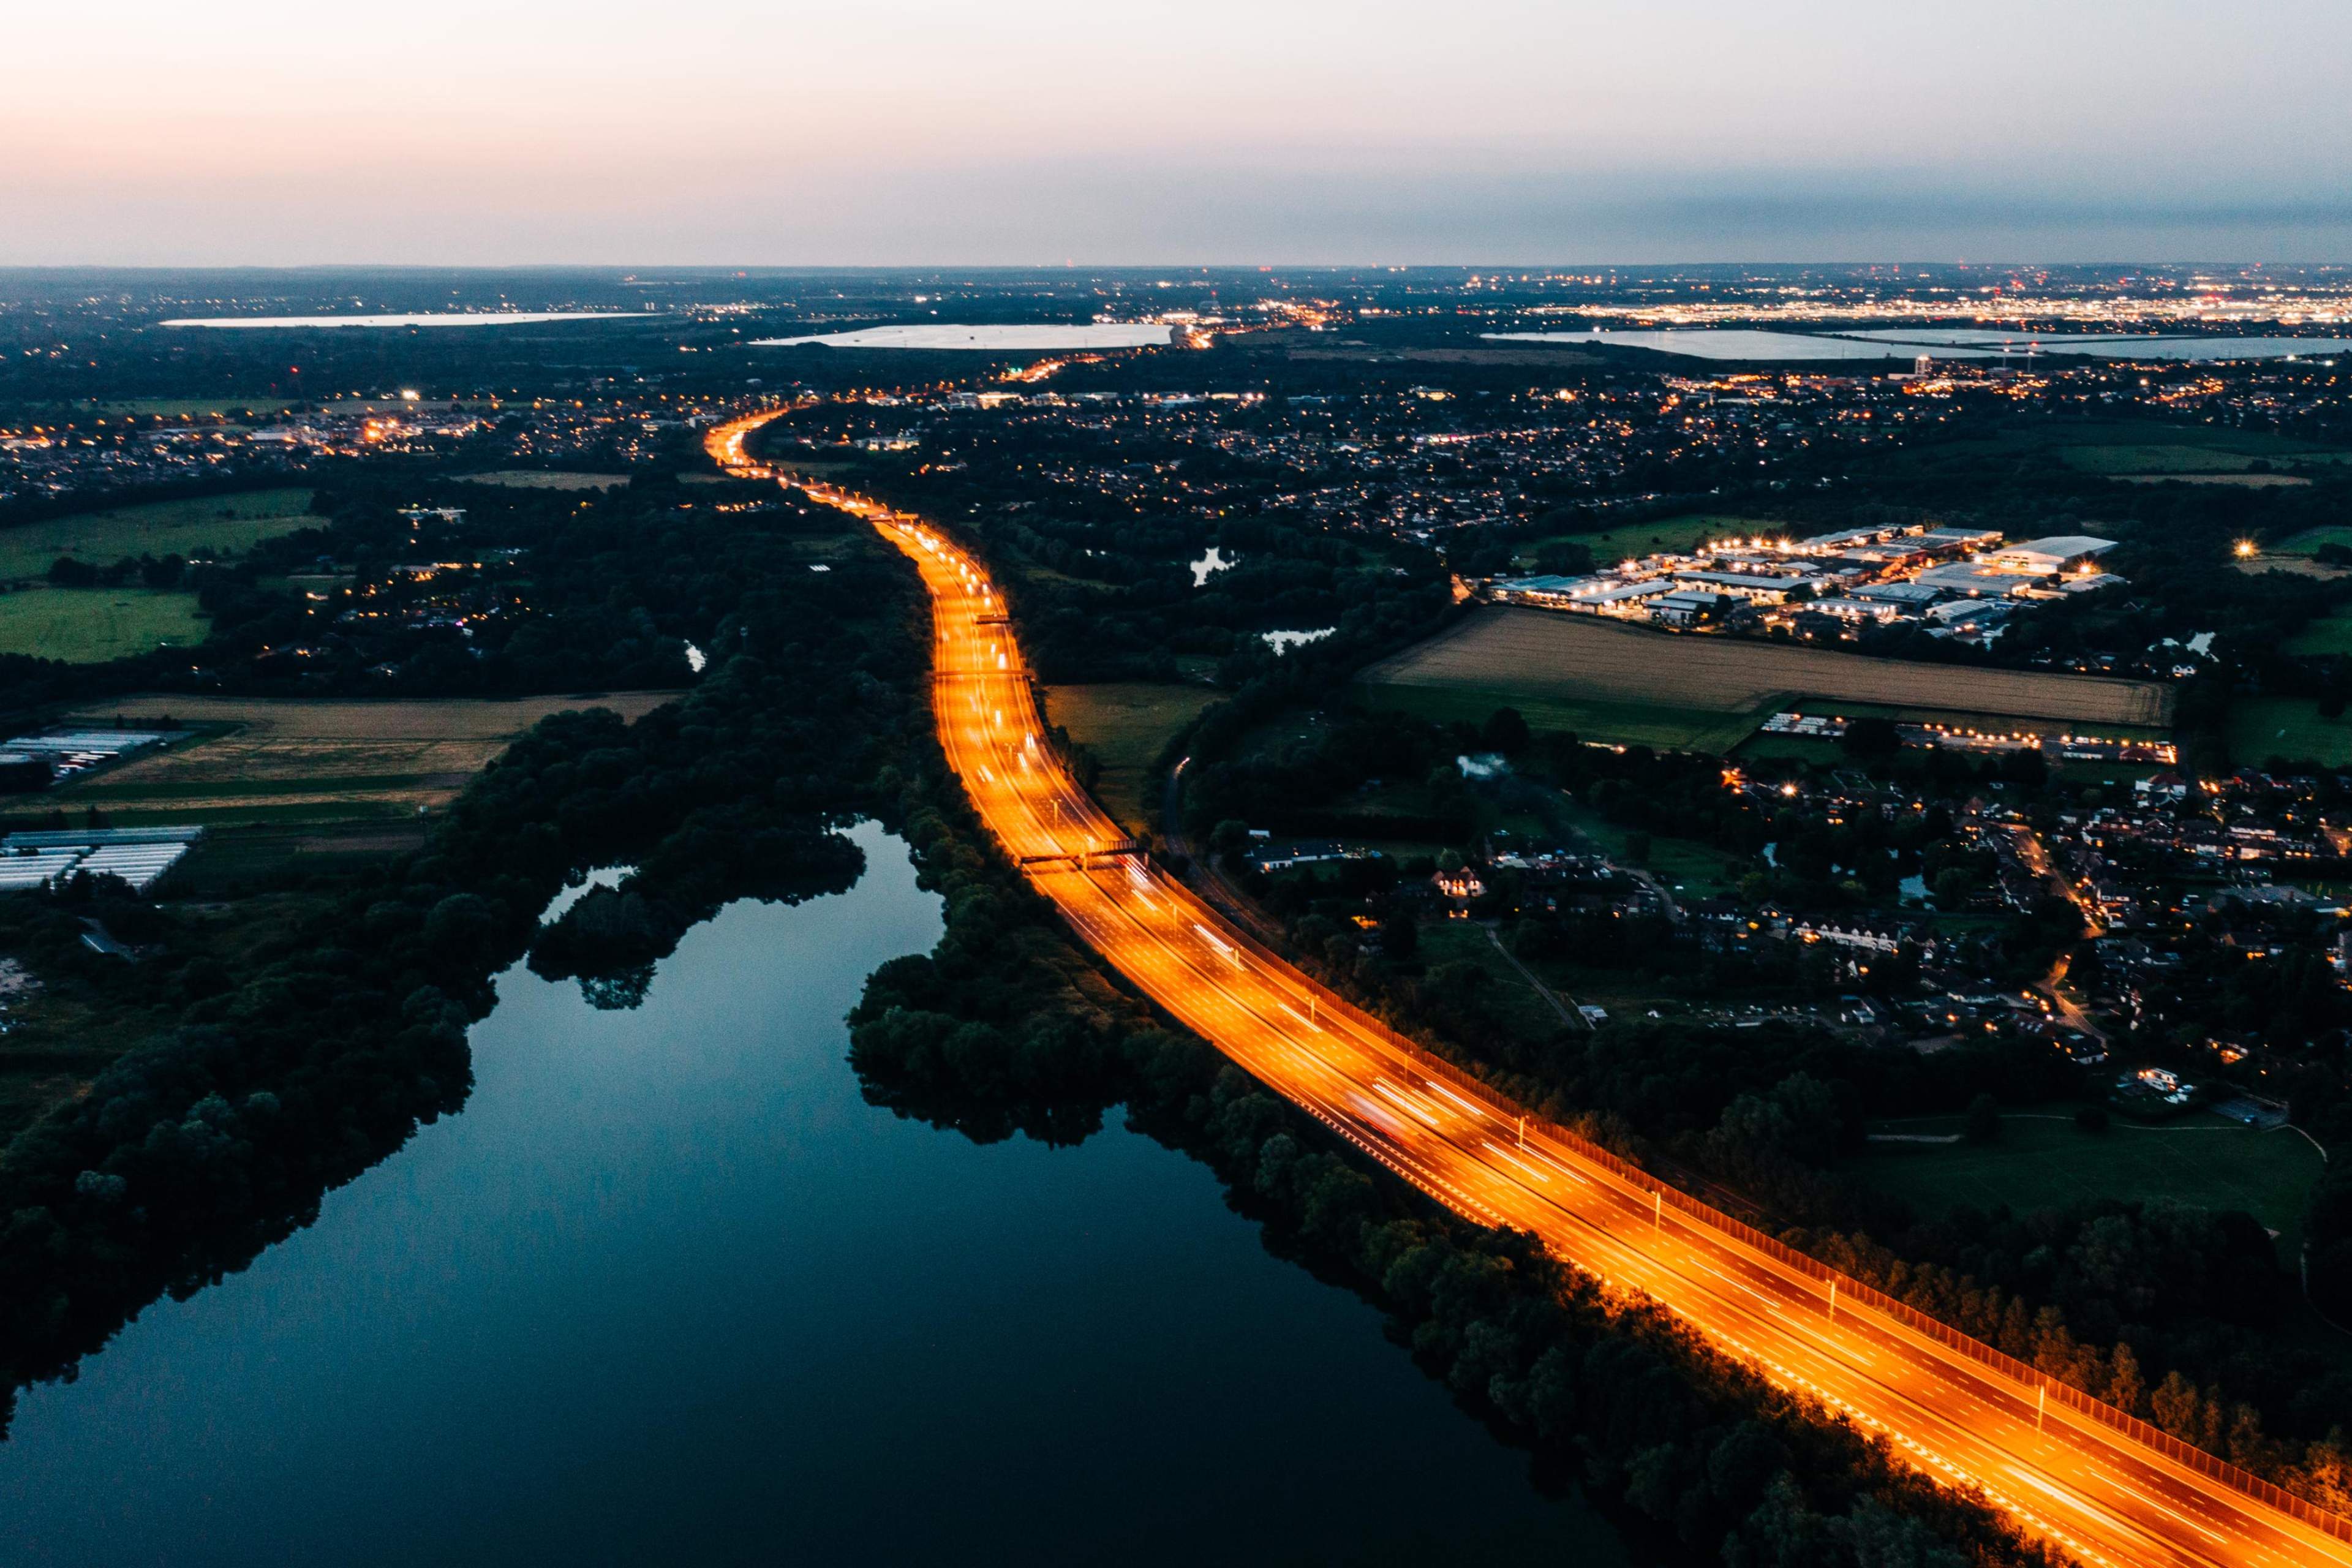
(1623, 723)
(547, 479)
(302, 760)
(2161, 459)
(2043, 1160)
(1519, 1008)
(234, 861)
(225, 523)
(1673, 534)
(1685, 865)
(1125, 724)
(1813, 751)
(2123, 448)
(2140, 451)
(1506, 995)
(91, 626)
(2265, 727)
(2243, 482)
(2308, 542)
(2331, 634)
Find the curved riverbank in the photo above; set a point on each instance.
(2089, 1473)
(670, 1288)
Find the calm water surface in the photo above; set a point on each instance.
(424, 319)
(669, 1290)
(956, 335)
(1732, 343)
(1955, 343)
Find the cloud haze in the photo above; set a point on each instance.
(1029, 130)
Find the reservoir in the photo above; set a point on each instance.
(669, 1290)
(440, 319)
(1732, 343)
(1958, 343)
(1006, 336)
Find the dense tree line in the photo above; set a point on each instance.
(1004, 1028)
(301, 1059)
(323, 1050)
(1103, 589)
(2166, 1310)
(2126, 1300)
(574, 593)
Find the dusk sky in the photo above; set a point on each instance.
(1211, 130)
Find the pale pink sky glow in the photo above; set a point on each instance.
(917, 130)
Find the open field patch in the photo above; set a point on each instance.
(1507, 996)
(2251, 481)
(237, 860)
(2042, 1160)
(295, 760)
(2329, 634)
(2168, 458)
(2261, 728)
(1533, 661)
(1125, 724)
(2295, 565)
(2310, 540)
(1661, 726)
(91, 626)
(1686, 866)
(225, 523)
(1636, 538)
(546, 480)
(2191, 451)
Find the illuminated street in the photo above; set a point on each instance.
(2101, 1493)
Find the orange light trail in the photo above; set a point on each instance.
(2043, 1454)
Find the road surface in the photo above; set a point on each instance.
(2098, 1492)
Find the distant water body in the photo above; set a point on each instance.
(950, 335)
(669, 1290)
(1733, 343)
(443, 318)
(1756, 346)
(2111, 346)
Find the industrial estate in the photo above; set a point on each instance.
(1782, 912)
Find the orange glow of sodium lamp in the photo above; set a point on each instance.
(2097, 1485)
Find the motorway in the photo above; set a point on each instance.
(2095, 1491)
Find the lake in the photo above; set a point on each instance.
(669, 1290)
(1209, 564)
(443, 318)
(951, 335)
(1734, 343)
(2111, 346)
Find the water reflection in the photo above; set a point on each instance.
(669, 1290)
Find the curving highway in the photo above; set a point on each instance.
(2096, 1491)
